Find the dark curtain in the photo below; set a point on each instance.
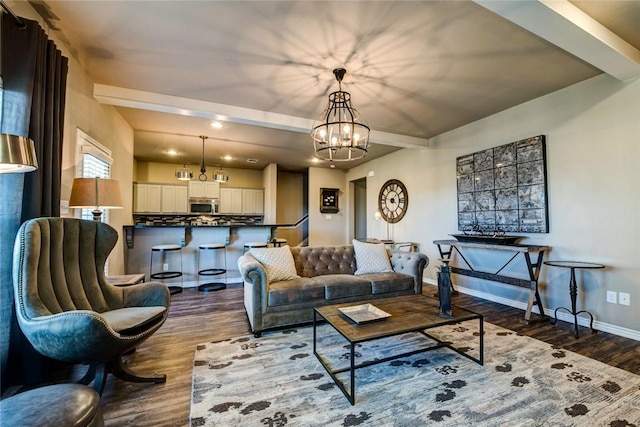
(34, 75)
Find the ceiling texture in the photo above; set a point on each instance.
(415, 69)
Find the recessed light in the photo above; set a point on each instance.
(172, 152)
(315, 160)
(216, 125)
(252, 160)
(227, 157)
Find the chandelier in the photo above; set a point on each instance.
(339, 134)
(185, 174)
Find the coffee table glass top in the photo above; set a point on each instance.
(408, 313)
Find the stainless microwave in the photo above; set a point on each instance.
(203, 206)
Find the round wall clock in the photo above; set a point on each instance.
(393, 201)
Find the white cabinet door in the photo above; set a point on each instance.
(230, 200)
(146, 198)
(140, 196)
(182, 199)
(204, 189)
(174, 199)
(211, 190)
(196, 189)
(154, 198)
(252, 201)
(236, 200)
(168, 199)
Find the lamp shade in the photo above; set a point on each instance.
(95, 193)
(17, 154)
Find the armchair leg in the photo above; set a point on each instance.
(117, 368)
(89, 376)
(100, 381)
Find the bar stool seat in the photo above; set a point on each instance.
(215, 270)
(250, 245)
(163, 275)
(278, 242)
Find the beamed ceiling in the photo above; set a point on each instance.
(416, 69)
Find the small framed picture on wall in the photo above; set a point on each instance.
(329, 200)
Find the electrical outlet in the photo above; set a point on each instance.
(625, 298)
(612, 297)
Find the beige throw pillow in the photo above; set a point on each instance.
(278, 263)
(371, 258)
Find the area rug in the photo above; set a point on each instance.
(276, 380)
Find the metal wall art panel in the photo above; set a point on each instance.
(504, 189)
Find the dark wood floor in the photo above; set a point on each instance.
(197, 317)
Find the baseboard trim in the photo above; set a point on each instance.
(582, 321)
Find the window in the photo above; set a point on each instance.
(95, 161)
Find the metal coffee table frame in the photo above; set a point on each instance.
(404, 318)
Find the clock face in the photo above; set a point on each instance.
(393, 201)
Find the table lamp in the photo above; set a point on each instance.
(96, 194)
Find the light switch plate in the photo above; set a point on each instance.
(612, 297)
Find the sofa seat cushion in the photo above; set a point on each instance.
(294, 291)
(128, 321)
(344, 285)
(382, 283)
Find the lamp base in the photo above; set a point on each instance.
(97, 214)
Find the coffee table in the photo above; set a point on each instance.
(413, 313)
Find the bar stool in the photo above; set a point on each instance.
(250, 245)
(278, 242)
(164, 251)
(215, 270)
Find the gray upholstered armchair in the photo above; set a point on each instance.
(68, 310)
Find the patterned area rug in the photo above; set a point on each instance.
(276, 380)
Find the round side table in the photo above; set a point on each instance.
(573, 289)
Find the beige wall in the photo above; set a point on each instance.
(327, 229)
(593, 162)
(101, 122)
(164, 173)
(290, 205)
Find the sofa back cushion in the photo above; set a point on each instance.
(314, 261)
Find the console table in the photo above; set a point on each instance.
(533, 268)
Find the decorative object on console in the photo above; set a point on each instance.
(329, 200)
(96, 194)
(393, 201)
(17, 154)
(504, 188)
(340, 135)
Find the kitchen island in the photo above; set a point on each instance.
(138, 240)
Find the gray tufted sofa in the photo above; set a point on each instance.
(326, 277)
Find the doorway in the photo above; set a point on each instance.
(360, 208)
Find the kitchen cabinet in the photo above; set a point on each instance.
(230, 200)
(158, 198)
(252, 201)
(147, 198)
(175, 199)
(204, 189)
(248, 201)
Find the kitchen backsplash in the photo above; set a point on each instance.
(196, 220)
